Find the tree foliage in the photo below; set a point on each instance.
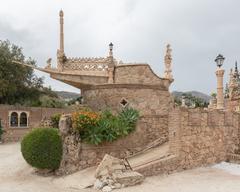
(19, 84)
(191, 101)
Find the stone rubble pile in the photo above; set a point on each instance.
(112, 174)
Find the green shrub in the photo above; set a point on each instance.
(42, 148)
(130, 117)
(106, 127)
(55, 120)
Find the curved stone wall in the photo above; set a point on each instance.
(149, 100)
(138, 74)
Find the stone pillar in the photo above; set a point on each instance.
(111, 65)
(60, 51)
(220, 97)
(61, 32)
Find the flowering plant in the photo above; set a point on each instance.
(84, 120)
(96, 128)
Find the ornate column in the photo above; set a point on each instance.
(220, 97)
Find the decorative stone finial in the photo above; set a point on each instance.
(48, 63)
(183, 101)
(231, 77)
(168, 63)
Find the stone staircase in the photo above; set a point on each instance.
(154, 161)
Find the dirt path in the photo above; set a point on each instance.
(17, 176)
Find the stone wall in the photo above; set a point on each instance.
(79, 155)
(148, 100)
(198, 138)
(138, 74)
(36, 115)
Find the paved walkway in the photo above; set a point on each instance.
(17, 176)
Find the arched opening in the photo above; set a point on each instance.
(23, 119)
(14, 119)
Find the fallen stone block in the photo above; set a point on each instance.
(128, 178)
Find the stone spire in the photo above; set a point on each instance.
(60, 52)
(168, 63)
(231, 76)
(236, 72)
(61, 31)
(226, 95)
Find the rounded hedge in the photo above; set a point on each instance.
(42, 148)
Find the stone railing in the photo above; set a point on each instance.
(87, 64)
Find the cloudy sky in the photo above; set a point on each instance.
(139, 29)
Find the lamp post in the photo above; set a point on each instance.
(111, 49)
(219, 73)
(111, 65)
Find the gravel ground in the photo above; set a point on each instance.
(17, 176)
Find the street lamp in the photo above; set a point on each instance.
(111, 46)
(219, 60)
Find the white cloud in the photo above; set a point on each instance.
(140, 29)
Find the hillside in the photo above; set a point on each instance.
(197, 94)
(67, 95)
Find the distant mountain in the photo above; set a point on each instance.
(65, 95)
(203, 96)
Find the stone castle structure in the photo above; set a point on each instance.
(194, 137)
(232, 90)
(229, 96)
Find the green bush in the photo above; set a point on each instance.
(55, 120)
(106, 127)
(42, 148)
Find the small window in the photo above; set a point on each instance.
(124, 102)
(14, 119)
(23, 120)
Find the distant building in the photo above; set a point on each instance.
(18, 120)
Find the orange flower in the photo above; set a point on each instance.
(84, 119)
